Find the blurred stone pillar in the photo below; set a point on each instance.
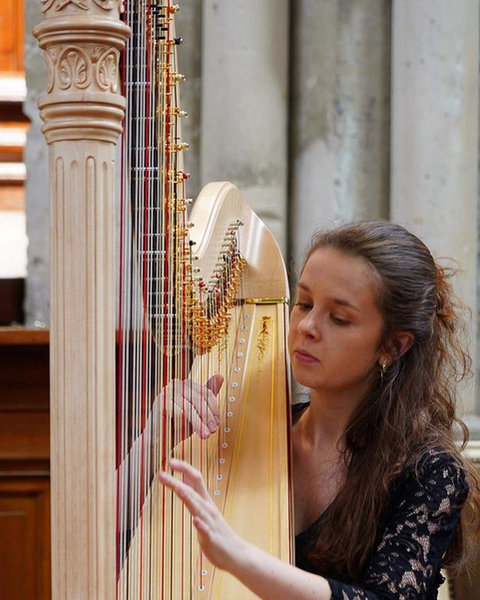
(245, 102)
(36, 187)
(189, 27)
(340, 76)
(434, 134)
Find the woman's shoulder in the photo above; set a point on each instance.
(435, 474)
(439, 462)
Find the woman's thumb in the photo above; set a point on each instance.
(215, 383)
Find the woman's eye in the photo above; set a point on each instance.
(339, 321)
(303, 305)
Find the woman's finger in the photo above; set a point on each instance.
(215, 383)
(206, 396)
(195, 503)
(197, 400)
(180, 395)
(192, 477)
(217, 539)
(188, 411)
(202, 404)
(201, 526)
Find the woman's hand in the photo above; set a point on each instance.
(220, 544)
(195, 402)
(266, 576)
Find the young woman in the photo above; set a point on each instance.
(379, 481)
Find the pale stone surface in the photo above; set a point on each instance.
(244, 103)
(340, 74)
(37, 190)
(434, 134)
(189, 27)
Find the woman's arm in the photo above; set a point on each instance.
(272, 579)
(406, 564)
(189, 408)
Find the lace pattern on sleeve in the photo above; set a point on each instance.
(424, 515)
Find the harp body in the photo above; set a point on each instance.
(245, 464)
(255, 492)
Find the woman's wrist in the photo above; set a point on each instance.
(242, 559)
(271, 578)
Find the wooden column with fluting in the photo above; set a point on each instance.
(82, 111)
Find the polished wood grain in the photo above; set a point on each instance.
(24, 465)
(11, 40)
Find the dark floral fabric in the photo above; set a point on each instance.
(417, 528)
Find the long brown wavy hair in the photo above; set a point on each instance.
(413, 409)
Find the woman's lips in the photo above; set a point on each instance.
(305, 357)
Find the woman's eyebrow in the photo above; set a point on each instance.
(346, 303)
(303, 286)
(339, 301)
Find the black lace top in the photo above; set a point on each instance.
(416, 531)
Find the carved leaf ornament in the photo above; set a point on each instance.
(74, 69)
(82, 4)
(107, 71)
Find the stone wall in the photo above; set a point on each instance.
(319, 112)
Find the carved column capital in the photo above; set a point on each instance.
(82, 50)
(114, 6)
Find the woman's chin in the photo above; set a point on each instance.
(304, 379)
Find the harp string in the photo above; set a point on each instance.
(166, 316)
(149, 253)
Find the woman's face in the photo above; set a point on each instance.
(336, 326)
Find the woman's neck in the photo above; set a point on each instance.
(326, 419)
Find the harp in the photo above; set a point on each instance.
(192, 305)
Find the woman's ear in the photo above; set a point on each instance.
(402, 342)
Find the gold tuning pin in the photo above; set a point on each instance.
(175, 176)
(180, 147)
(235, 224)
(175, 42)
(176, 112)
(183, 204)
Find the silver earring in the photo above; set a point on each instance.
(383, 369)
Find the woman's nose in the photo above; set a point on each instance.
(310, 325)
